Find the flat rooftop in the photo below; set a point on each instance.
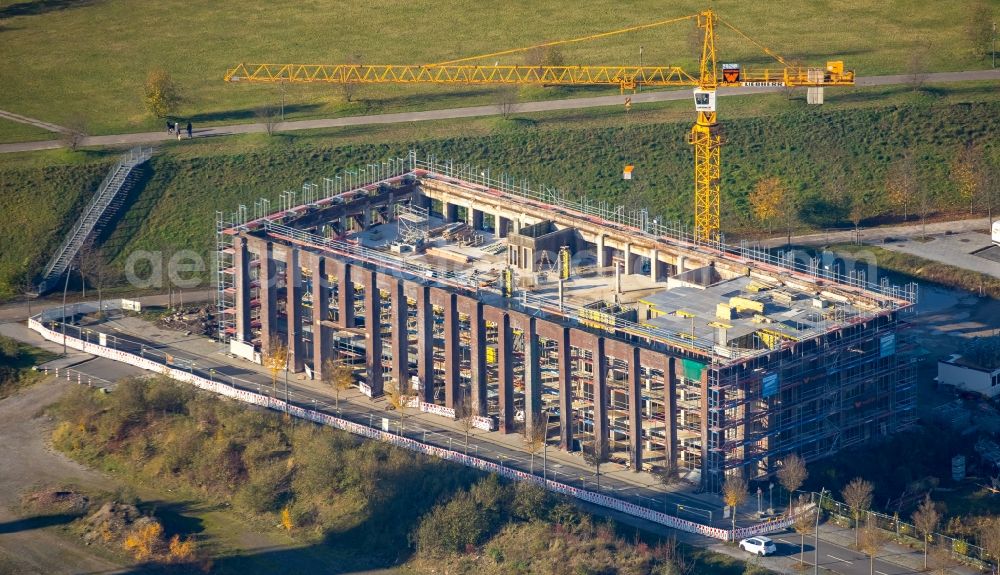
(732, 308)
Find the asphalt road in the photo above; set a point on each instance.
(467, 112)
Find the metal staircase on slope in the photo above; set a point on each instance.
(105, 202)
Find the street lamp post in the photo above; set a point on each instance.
(759, 493)
(65, 289)
(819, 509)
(770, 498)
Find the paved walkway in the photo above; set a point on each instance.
(880, 234)
(31, 122)
(470, 112)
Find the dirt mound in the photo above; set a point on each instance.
(57, 500)
(196, 320)
(111, 523)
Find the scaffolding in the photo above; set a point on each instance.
(225, 271)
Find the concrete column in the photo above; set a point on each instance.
(654, 264)
(241, 274)
(345, 295)
(268, 296)
(477, 357)
(628, 259)
(373, 333)
(599, 247)
(670, 389)
(600, 394)
(505, 371)
(452, 353)
(681, 260)
(635, 408)
(565, 390)
(532, 374)
(425, 343)
(499, 226)
(293, 310)
(400, 339)
(320, 303)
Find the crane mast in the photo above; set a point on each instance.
(705, 136)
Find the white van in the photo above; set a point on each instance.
(996, 232)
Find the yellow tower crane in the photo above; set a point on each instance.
(705, 135)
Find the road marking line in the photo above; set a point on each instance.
(839, 559)
(881, 573)
(783, 541)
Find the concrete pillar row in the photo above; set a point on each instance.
(532, 374)
(635, 408)
(241, 272)
(425, 343)
(268, 296)
(477, 356)
(345, 295)
(373, 333)
(505, 372)
(628, 259)
(600, 395)
(400, 337)
(452, 353)
(320, 303)
(599, 247)
(654, 264)
(293, 311)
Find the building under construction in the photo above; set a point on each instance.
(609, 329)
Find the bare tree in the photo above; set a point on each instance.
(268, 116)
(73, 133)
(926, 519)
(595, 456)
(858, 496)
(339, 377)
(95, 270)
(507, 98)
(916, 65)
(534, 437)
(792, 475)
(734, 493)
(349, 88)
(675, 562)
(901, 183)
(464, 415)
(804, 524)
(668, 475)
(872, 541)
(275, 359)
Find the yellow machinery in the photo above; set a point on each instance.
(705, 135)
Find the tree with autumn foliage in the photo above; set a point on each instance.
(773, 203)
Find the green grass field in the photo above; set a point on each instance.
(189, 181)
(11, 131)
(69, 62)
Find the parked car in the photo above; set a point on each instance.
(758, 545)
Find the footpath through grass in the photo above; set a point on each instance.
(59, 66)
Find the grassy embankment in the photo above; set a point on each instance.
(350, 504)
(55, 69)
(16, 361)
(187, 183)
(929, 270)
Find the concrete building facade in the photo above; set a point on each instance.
(650, 349)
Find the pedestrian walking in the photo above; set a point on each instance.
(189, 130)
(170, 127)
(177, 128)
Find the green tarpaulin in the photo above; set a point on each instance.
(692, 369)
